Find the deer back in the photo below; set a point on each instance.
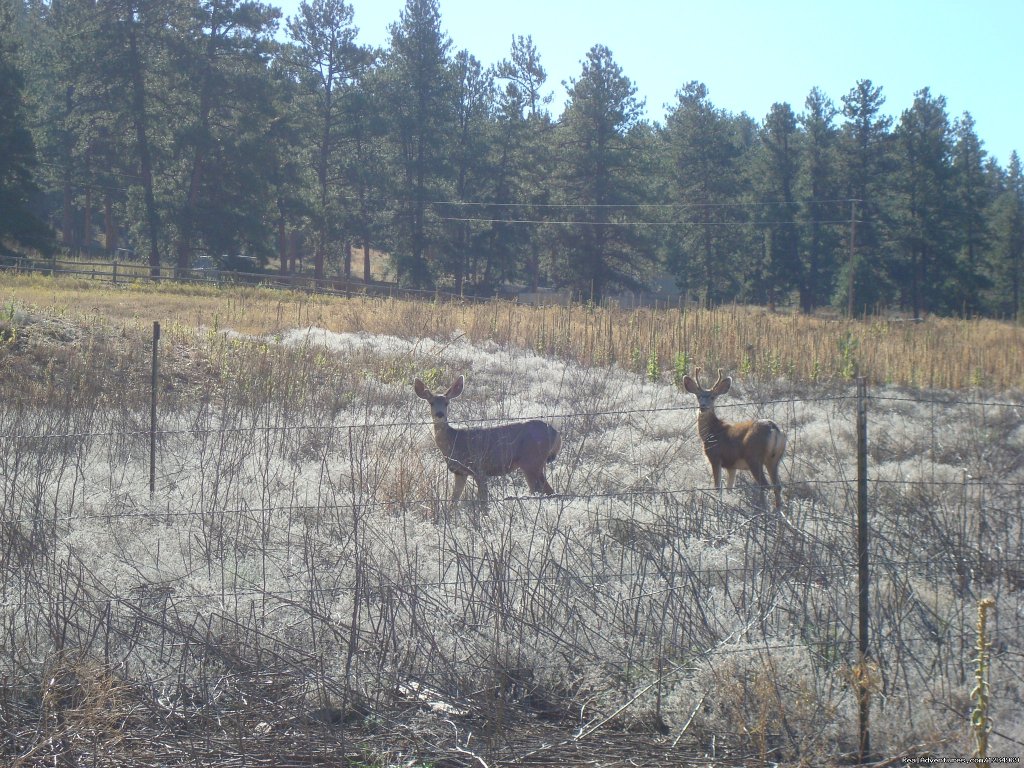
(738, 444)
(499, 450)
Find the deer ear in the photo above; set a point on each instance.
(722, 386)
(421, 389)
(456, 388)
(690, 385)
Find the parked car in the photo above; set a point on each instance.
(205, 268)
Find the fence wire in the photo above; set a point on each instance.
(308, 590)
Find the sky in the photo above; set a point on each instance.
(753, 53)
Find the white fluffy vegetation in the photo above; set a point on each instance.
(636, 594)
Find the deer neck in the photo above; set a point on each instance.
(709, 426)
(444, 436)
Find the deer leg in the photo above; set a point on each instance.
(773, 472)
(481, 484)
(758, 472)
(537, 482)
(716, 477)
(460, 483)
(730, 477)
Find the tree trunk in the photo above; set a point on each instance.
(282, 243)
(367, 276)
(67, 225)
(139, 118)
(109, 228)
(87, 222)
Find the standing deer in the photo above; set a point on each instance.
(490, 451)
(754, 445)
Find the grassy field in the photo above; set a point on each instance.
(935, 353)
(297, 590)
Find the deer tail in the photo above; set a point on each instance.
(556, 444)
(776, 442)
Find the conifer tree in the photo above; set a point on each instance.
(598, 181)
(821, 243)
(418, 87)
(973, 196)
(1005, 263)
(865, 147)
(329, 63)
(775, 166)
(924, 216)
(18, 158)
(702, 153)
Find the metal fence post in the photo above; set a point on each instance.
(152, 410)
(863, 581)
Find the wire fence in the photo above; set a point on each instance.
(305, 592)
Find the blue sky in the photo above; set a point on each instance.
(751, 54)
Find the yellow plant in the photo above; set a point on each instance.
(981, 725)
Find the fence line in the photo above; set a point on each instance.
(559, 415)
(300, 282)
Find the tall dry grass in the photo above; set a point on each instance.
(934, 353)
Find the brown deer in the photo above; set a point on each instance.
(754, 445)
(490, 451)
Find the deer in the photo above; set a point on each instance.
(490, 451)
(755, 445)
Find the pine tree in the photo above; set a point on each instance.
(329, 62)
(1006, 245)
(418, 88)
(130, 44)
(474, 98)
(925, 216)
(18, 158)
(973, 197)
(598, 181)
(523, 157)
(226, 104)
(703, 146)
(775, 165)
(820, 207)
(865, 140)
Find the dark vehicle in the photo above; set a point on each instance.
(241, 268)
(205, 268)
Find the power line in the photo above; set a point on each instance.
(581, 223)
(662, 206)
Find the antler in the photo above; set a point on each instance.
(696, 377)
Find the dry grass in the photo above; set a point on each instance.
(298, 566)
(752, 342)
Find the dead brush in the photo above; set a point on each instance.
(83, 701)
